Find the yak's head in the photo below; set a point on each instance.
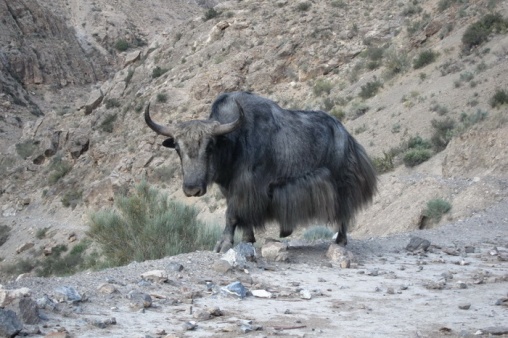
(194, 141)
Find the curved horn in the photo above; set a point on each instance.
(166, 131)
(225, 128)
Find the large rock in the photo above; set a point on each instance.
(94, 101)
(10, 325)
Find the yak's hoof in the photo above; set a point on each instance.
(341, 240)
(223, 245)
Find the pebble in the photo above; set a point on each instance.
(235, 289)
(464, 306)
(305, 294)
(67, 294)
(139, 300)
(261, 293)
(155, 276)
(174, 266)
(189, 326)
(417, 244)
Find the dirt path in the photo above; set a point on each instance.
(388, 292)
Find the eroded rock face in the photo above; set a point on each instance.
(39, 48)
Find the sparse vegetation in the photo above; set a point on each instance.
(210, 14)
(443, 133)
(41, 233)
(303, 6)
(370, 89)
(107, 123)
(358, 109)
(146, 225)
(436, 208)
(395, 62)
(317, 232)
(478, 32)
(322, 86)
(439, 108)
(383, 164)
(59, 168)
(499, 98)
(414, 157)
(112, 103)
(121, 45)
(71, 198)
(158, 71)
(162, 97)
(26, 149)
(425, 58)
(4, 234)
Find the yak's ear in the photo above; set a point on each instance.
(169, 143)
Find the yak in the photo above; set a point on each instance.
(272, 164)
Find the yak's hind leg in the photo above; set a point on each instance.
(341, 234)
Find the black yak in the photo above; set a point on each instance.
(272, 164)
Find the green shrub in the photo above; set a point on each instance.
(303, 6)
(112, 103)
(396, 62)
(436, 208)
(443, 133)
(41, 233)
(317, 232)
(4, 234)
(210, 14)
(121, 45)
(414, 157)
(370, 89)
(478, 32)
(416, 142)
(358, 109)
(158, 71)
(340, 114)
(162, 97)
(58, 264)
(499, 98)
(439, 109)
(26, 149)
(473, 118)
(128, 78)
(58, 169)
(19, 267)
(321, 87)
(425, 58)
(71, 198)
(383, 164)
(107, 123)
(146, 225)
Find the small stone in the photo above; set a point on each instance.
(139, 300)
(321, 280)
(155, 276)
(24, 247)
(67, 294)
(469, 249)
(417, 244)
(305, 294)
(390, 291)
(222, 266)
(373, 272)
(245, 328)
(275, 251)
(464, 306)
(462, 285)
(502, 301)
(287, 312)
(189, 326)
(9, 296)
(107, 288)
(261, 294)
(235, 289)
(174, 266)
(496, 330)
(337, 253)
(102, 323)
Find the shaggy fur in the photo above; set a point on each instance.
(291, 167)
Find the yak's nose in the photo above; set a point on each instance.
(194, 190)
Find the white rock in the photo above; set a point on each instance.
(261, 293)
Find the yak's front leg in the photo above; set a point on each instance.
(226, 241)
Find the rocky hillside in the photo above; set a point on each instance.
(77, 78)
